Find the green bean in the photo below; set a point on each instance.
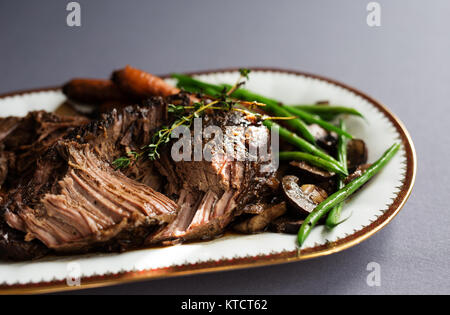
(272, 106)
(311, 119)
(327, 110)
(311, 159)
(321, 110)
(304, 145)
(297, 124)
(195, 89)
(186, 81)
(334, 216)
(342, 194)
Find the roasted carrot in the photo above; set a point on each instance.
(93, 91)
(140, 84)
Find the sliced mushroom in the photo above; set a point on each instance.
(317, 176)
(324, 138)
(285, 225)
(303, 199)
(310, 171)
(315, 194)
(356, 154)
(262, 205)
(259, 222)
(357, 173)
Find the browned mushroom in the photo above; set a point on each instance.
(356, 154)
(357, 173)
(285, 225)
(312, 172)
(260, 221)
(303, 199)
(325, 139)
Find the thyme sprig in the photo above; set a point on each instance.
(163, 135)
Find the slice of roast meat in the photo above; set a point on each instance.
(212, 193)
(75, 201)
(5, 158)
(8, 125)
(91, 204)
(23, 140)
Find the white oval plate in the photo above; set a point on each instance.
(371, 208)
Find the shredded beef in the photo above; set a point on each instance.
(73, 200)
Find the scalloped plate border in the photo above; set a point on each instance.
(252, 261)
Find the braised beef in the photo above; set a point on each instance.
(75, 201)
(90, 204)
(24, 140)
(211, 194)
(5, 158)
(8, 125)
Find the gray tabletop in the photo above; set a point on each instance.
(404, 63)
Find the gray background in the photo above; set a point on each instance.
(404, 63)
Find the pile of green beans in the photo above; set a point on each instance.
(342, 194)
(305, 146)
(334, 216)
